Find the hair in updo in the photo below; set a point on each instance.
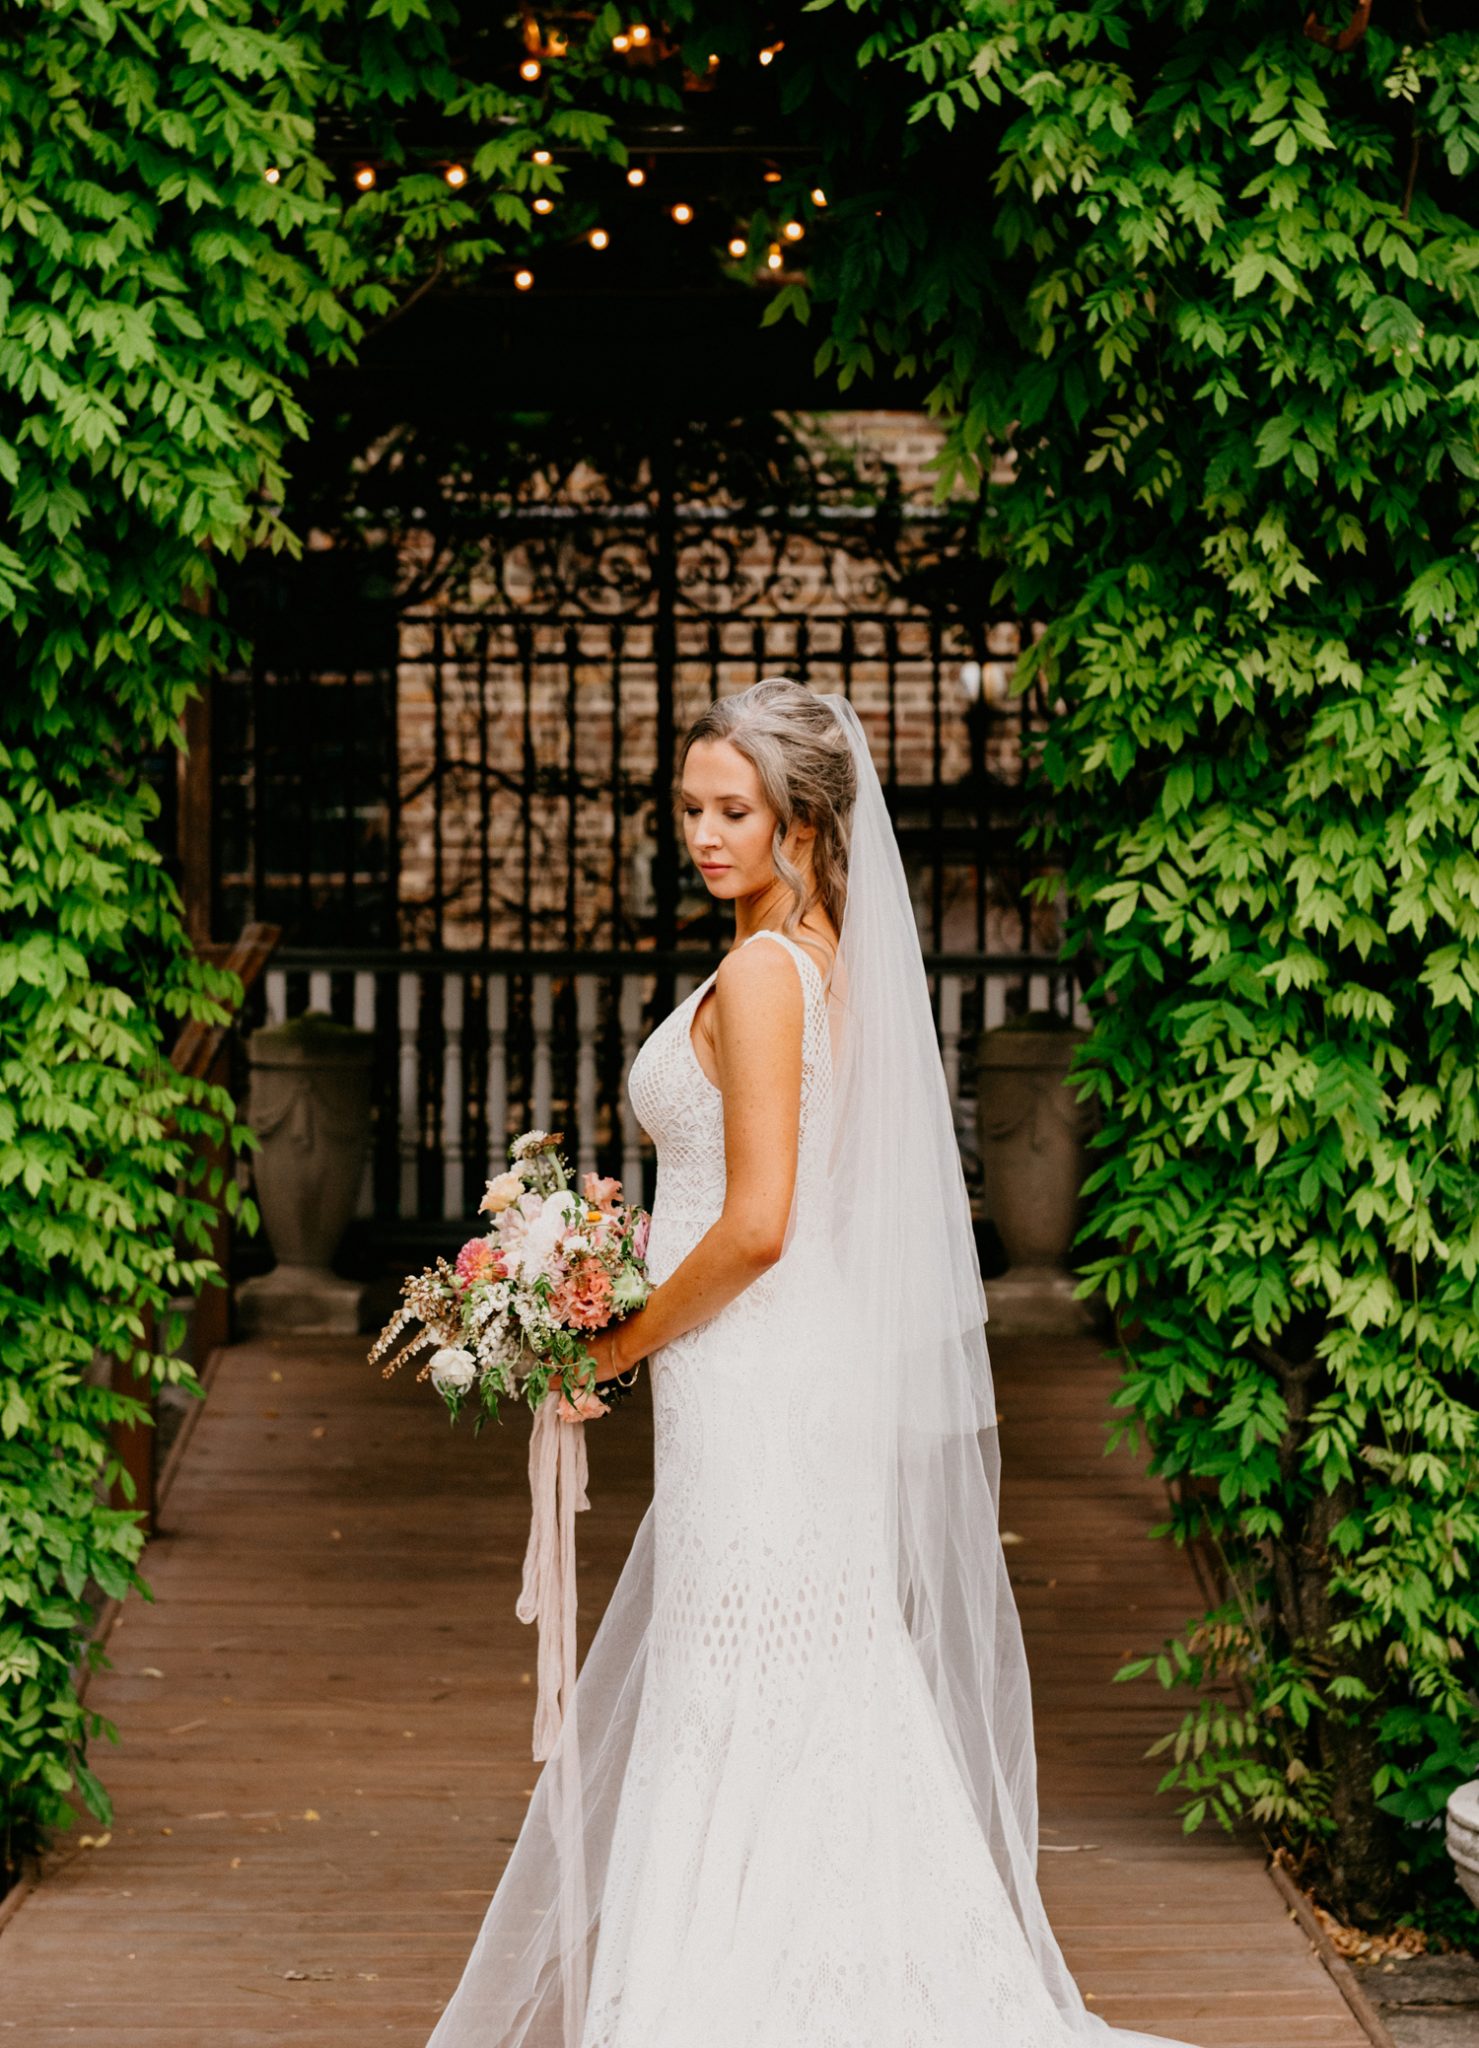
(800, 752)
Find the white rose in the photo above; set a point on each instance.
(453, 1367)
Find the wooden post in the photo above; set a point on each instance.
(194, 834)
(212, 1321)
(133, 1442)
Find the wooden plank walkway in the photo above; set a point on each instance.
(326, 1713)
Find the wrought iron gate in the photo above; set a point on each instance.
(457, 810)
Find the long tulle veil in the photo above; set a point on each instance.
(914, 1370)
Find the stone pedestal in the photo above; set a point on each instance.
(1030, 1128)
(1463, 1836)
(310, 1108)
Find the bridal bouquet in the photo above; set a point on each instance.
(507, 1317)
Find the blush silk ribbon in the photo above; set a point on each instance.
(558, 1471)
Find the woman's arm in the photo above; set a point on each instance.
(759, 1015)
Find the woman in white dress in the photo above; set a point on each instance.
(792, 1800)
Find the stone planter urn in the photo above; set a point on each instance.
(1030, 1126)
(309, 1105)
(1463, 1836)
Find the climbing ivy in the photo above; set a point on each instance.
(1207, 279)
(181, 237)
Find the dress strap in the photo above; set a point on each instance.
(796, 951)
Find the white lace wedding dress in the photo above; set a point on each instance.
(794, 1864)
(777, 1848)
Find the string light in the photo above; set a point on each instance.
(771, 52)
(364, 177)
(559, 42)
(713, 63)
(272, 174)
(774, 259)
(682, 213)
(542, 156)
(544, 206)
(771, 177)
(598, 238)
(818, 196)
(530, 69)
(622, 42)
(641, 35)
(793, 231)
(456, 176)
(737, 246)
(636, 175)
(523, 279)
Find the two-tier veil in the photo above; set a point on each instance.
(916, 1377)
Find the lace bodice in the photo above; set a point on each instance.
(683, 1112)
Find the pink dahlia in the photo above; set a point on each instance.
(478, 1260)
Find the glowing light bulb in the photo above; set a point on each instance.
(713, 63)
(598, 238)
(558, 43)
(774, 259)
(818, 196)
(272, 174)
(544, 206)
(456, 176)
(771, 177)
(523, 280)
(364, 177)
(542, 156)
(771, 52)
(682, 213)
(621, 42)
(641, 35)
(793, 231)
(530, 69)
(636, 175)
(737, 246)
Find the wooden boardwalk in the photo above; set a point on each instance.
(325, 1718)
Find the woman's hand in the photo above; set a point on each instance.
(601, 1344)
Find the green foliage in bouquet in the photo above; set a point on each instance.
(161, 297)
(1209, 287)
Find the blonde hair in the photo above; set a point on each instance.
(799, 750)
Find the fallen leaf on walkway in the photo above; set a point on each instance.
(306, 1976)
(184, 1727)
(274, 1374)
(310, 1813)
(150, 1671)
(216, 1813)
(1008, 1537)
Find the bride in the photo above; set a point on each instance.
(792, 1799)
